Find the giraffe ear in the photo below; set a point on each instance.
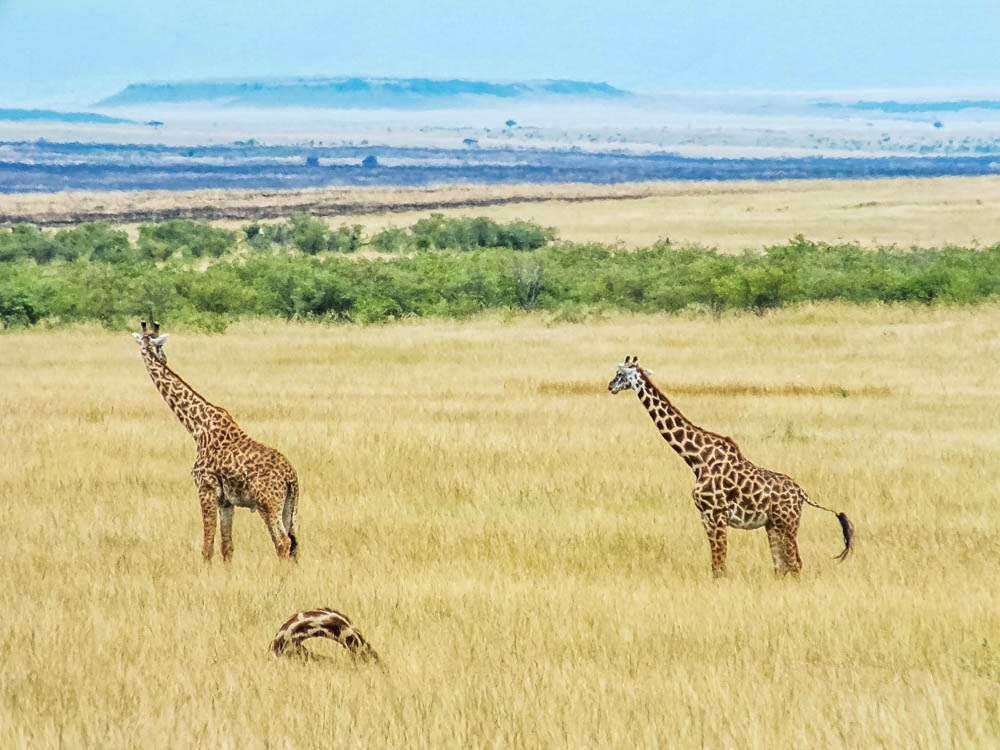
(161, 340)
(138, 338)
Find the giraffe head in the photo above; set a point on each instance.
(152, 340)
(627, 375)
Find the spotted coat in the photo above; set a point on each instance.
(230, 469)
(729, 490)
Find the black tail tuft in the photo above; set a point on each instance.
(848, 529)
(295, 544)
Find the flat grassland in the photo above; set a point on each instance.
(732, 216)
(519, 545)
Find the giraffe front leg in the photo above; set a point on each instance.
(226, 529)
(715, 528)
(208, 497)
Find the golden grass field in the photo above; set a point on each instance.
(732, 216)
(519, 545)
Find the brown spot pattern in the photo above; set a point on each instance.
(230, 468)
(731, 491)
(320, 623)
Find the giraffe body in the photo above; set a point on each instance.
(231, 469)
(730, 491)
(320, 623)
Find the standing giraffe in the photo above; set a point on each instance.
(729, 490)
(230, 469)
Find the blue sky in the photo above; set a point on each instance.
(61, 52)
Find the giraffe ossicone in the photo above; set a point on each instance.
(729, 491)
(155, 340)
(231, 469)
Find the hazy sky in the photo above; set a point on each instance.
(68, 51)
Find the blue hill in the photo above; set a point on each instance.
(917, 106)
(28, 115)
(351, 93)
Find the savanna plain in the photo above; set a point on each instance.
(519, 545)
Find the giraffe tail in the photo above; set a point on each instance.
(845, 526)
(320, 623)
(291, 513)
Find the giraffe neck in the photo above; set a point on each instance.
(194, 411)
(692, 443)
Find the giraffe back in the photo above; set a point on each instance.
(320, 623)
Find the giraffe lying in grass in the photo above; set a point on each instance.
(230, 468)
(729, 490)
(320, 623)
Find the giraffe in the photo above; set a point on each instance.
(230, 468)
(729, 490)
(324, 623)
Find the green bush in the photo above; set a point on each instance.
(97, 241)
(35, 243)
(309, 235)
(390, 241)
(345, 239)
(440, 233)
(566, 279)
(185, 238)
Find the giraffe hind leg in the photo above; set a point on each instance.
(270, 513)
(777, 553)
(226, 529)
(793, 563)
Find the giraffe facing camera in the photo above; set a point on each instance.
(231, 469)
(153, 339)
(729, 490)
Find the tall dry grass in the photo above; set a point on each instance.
(519, 545)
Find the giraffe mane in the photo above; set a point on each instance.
(718, 435)
(187, 385)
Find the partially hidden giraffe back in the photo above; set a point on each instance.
(322, 622)
(729, 491)
(230, 469)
